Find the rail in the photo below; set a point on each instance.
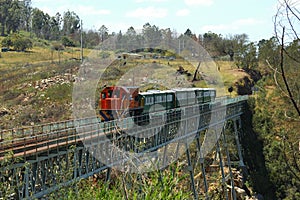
(81, 141)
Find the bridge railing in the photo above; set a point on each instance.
(48, 146)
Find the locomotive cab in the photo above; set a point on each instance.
(115, 101)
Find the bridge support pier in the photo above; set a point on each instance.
(201, 161)
(191, 170)
(233, 193)
(222, 169)
(237, 140)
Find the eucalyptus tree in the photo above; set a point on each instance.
(55, 25)
(151, 34)
(103, 32)
(4, 13)
(167, 37)
(71, 23)
(132, 40)
(269, 51)
(210, 42)
(25, 13)
(38, 22)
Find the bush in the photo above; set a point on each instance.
(21, 44)
(67, 42)
(18, 42)
(57, 47)
(6, 42)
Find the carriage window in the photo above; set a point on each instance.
(213, 93)
(169, 98)
(158, 99)
(191, 95)
(181, 96)
(149, 101)
(103, 95)
(207, 93)
(163, 98)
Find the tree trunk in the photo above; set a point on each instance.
(196, 72)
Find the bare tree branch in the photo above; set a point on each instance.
(276, 81)
(283, 74)
(288, 10)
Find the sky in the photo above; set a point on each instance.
(225, 17)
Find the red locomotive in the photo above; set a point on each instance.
(115, 101)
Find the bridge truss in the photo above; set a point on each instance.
(38, 160)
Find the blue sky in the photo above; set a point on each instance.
(226, 17)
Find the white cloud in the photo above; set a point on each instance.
(235, 25)
(199, 2)
(183, 12)
(151, 12)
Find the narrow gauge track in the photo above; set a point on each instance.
(30, 141)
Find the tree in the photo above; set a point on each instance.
(151, 35)
(71, 23)
(25, 14)
(14, 17)
(188, 33)
(269, 51)
(17, 41)
(6, 42)
(103, 31)
(67, 42)
(210, 42)
(4, 9)
(287, 21)
(55, 26)
(91, 38)
(21, 44)
(279, 108)
(246, 58)
(38, 22)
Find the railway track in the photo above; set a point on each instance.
(29, 141)
(41, 150)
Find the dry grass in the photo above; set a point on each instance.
(39, 54)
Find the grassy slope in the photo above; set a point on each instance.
(22, 103)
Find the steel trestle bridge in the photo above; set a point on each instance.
(34, 160)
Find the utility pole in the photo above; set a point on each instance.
(81, 43)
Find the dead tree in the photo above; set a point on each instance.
(196, 72)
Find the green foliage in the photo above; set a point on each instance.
(246, 58)
(59, 92)
(155, 185)
(7, 186)
(104, 54)
(6, 42)
(275, 137)
(21, 44)
(68, 42)
(17, 41)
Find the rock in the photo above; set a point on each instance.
(4, 111)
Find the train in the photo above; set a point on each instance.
(123, 101)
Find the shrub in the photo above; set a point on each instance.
(67, 42)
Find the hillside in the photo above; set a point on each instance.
(36, 86)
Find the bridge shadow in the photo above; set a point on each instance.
(254, 157)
